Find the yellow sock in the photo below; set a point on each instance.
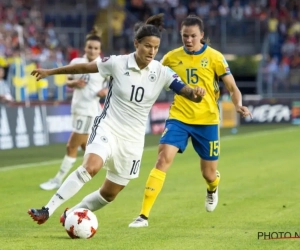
(153, 187)
(212, 186)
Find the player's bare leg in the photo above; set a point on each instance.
(76, 140)
(92, 163)
(166, 155)
(212, 177)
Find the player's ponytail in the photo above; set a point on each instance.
(157, 21)
(192, 20)
(94, 35)
(152, 27)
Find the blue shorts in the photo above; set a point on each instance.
(205, 138)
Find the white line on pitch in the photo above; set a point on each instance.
(236, 136)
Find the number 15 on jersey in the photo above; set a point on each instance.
(214, 148)
(191, 76)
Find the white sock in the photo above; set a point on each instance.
(69, 188)
(65, 167)
(94, 201)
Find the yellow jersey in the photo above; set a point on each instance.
(203, 68)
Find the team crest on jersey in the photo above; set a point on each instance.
(152, 76)
(104, 59)
(104, 138)
(204, 62)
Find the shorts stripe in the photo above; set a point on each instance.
(103, 114)
(87, 124)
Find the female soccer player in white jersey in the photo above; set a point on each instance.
(88, 89)
(117, 138)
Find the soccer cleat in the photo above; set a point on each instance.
(39, 215)
(63, 217)
(51, 184)
(211, 200)
(139, 222)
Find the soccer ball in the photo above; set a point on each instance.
(81, 223)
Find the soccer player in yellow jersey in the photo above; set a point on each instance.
(197, 64)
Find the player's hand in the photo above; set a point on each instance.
(244, 111)
(102, 92)
(199, 92)
(40, 73)
(80, 84)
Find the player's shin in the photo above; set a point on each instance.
(94, 201)
(153, 187)
(212, 186)
(69, 188)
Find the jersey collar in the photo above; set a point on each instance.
(197, 52)
(132, 63)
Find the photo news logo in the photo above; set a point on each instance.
(278, 235)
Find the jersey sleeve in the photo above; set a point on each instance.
(172, 81)
(221, 66)
(105, 66)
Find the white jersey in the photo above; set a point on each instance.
(85, 101)
(132, 92)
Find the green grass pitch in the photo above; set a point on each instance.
(259, 192)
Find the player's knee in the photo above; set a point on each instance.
(209, 174)
(93, 164)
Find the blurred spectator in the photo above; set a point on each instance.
(5, 94)
(203, 9)
(180, 13)
(281, 76)
(117, 25)
(273, 29)
(289, 46)
(269, 73)
(295, 60)
(224, 9)
(237, 11)
(284, 44)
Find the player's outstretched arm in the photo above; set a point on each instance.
(80, 68)
(195, 95)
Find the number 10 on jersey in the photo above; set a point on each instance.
(135, 167)
(137, 94)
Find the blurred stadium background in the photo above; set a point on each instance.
(261, 41)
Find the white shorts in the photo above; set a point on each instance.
(122, 159)
(82, 124)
